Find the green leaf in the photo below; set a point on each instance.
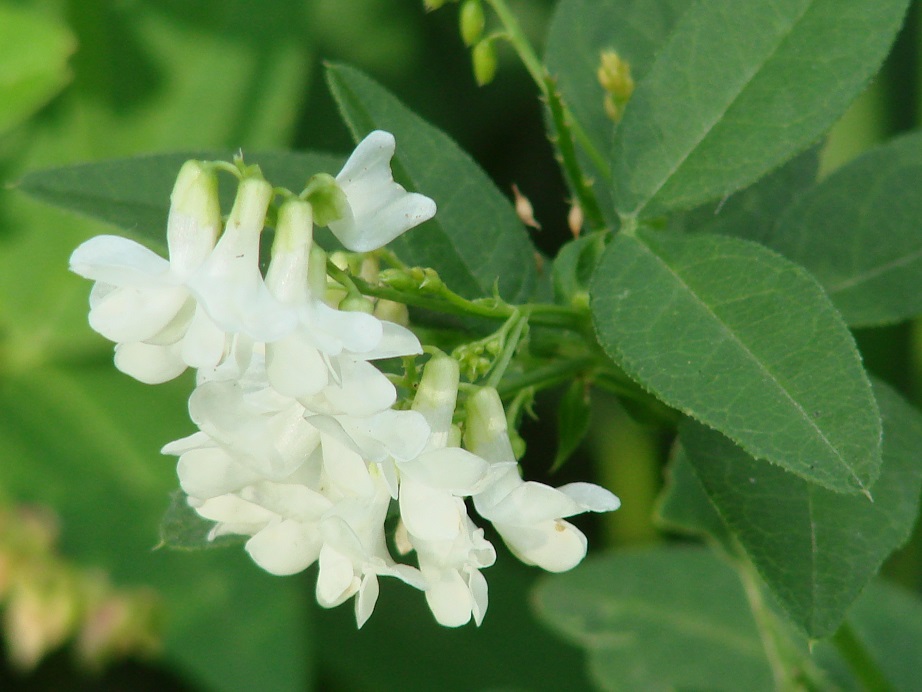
(85, 442)
(683, 505)
(476, 240)
(858, 234)
(579, 32)
(33, 62)
(752, 213)
(815, 549)
(738, 89)
(573, 414)
(887, 620)
(134, 193)
(739, 338)
(659, 618)
(573, 268)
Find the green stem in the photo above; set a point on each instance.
(578, 181)
(544, 376)
(446, 301)
(517, 39)
(516, 328)
(859, 660)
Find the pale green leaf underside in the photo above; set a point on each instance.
(634, 611)
(743, 340)
(476, 240)
(815, 549)
(859, 232)
(739, 88)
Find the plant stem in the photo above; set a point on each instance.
(517, 39)
(859, 660)
(544, 376)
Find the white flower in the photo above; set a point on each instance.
(451, 550)
(229, 285)
(528, 515)
(325, 341)
(141, 301)
(378, 209)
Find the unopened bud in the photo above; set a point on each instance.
(425, 280)
(486, 433)
(484, 60)
(437, 395)
(37, 619)
(327, 199)
(433, 5)
(575, 220)
(523, 209)
(392, 311)
(472, 21)
(195, 200)
(614, 75)
(356, 303)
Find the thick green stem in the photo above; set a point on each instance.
(544, 376)
(859, 660)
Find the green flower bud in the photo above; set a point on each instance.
(356, 303)
(614, 74)
(484, 59)
(327, 199)
(472, 21)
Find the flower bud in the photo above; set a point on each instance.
(486, 433)
(356, 303)
(433, 5)
(195, 216)
(614, 75)
(484, 60)
(472, 21)
(392, 311)
(437, 395)
(327, 199)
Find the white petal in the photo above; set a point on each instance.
(479, 594)
(189, 243)
(590, 497)
(204, 343)
(136, 313)
(184, 444)
(294, 366)
(335, 330)
(210, 472)
(449, 598)
(552, 545)
(118, 261)
(450, 469)
(284, 548)
(346, 469)
(231, 509)
(289, 500)
(395, 341)
(366, 599)
(429, 514)
(380, 208)
(336, 580)
(148, 363)
(363, 390)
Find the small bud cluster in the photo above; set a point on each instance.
(47, 602)
(614, 74)
(302, 446)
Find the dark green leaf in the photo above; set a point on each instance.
(752, 213)
(683, 504)
(476, 239)
(738, 89)
(858, 233)
(815, 549)
(660, 618)
(134, 193)
(741, 339)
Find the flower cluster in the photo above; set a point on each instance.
(300, 446)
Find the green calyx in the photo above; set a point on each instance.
(326, 198)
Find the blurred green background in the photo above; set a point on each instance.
(83, 80)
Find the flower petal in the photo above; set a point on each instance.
(118, 261)
(285, 548)
(136, 313)
(148, 363)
